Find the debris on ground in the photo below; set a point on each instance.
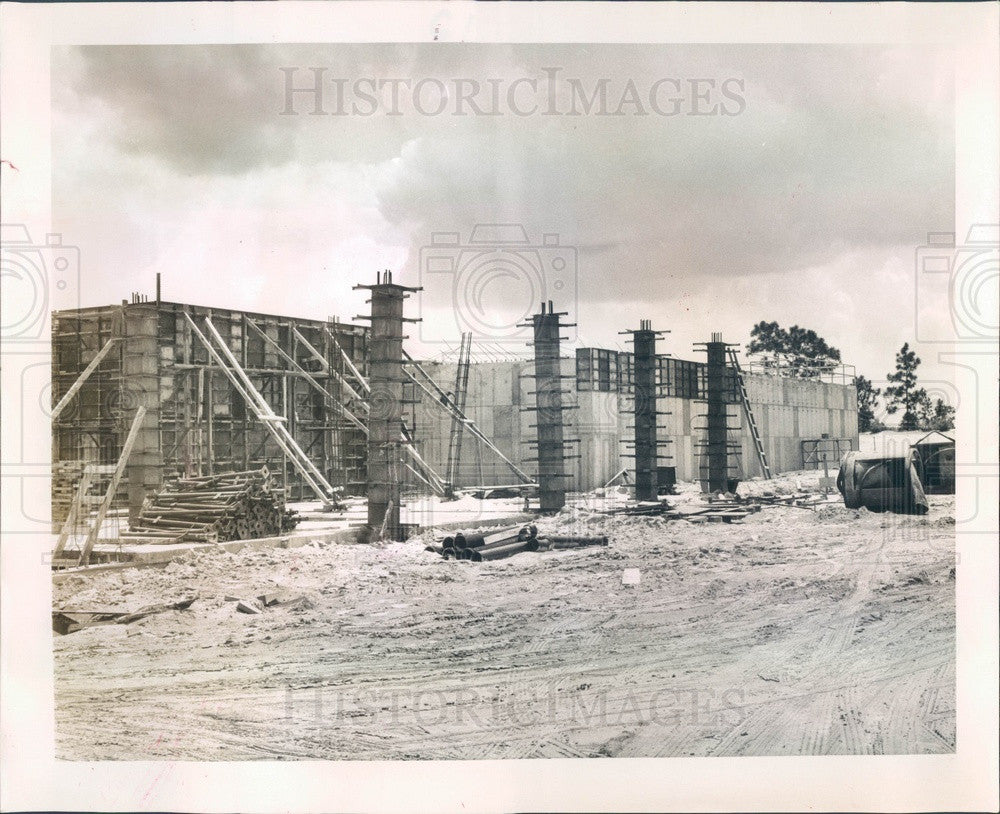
(249, 606)
(479, 545)
(69, 621)
(398, 654)
(631, 576)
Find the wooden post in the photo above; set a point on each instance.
(116, 477)
(210, 410)
(73, 515)
(199, 418)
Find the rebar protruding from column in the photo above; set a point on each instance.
(549, 406)
(715, 454)
(645, 412)
(385, 377)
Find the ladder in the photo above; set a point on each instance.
(748, 412)
(457, 425)
(439, 397)
(274, 424)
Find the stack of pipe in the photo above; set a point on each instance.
(216, 508)
(495, 545)
(473, 545)
(479, 548)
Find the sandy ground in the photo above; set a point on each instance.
(794, 632)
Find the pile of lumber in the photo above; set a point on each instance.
(718, 511)
(715, 508)
(498, 544)
(216, 508)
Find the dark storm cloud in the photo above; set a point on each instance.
(836, 165)
(828, 156)
(200, 109)
(836, 147)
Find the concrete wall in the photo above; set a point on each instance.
(787, 411)
(495, 397)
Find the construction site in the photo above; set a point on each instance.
(278, 537)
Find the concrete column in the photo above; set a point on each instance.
(141, 388)
(717, 447)
(646, 443)
(549, 411)
(385, 375)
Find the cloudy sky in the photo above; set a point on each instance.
(706, 188)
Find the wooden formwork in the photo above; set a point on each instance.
(196, 423)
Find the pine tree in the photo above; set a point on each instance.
(939, 416)
(903, 394)
(867, 400)
(798, 351)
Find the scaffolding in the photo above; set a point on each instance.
(198, 423)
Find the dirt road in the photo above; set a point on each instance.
(794, 632)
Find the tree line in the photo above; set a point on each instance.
(802, 353)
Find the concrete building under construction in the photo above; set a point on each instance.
(227, 390)
(799, 420)
(154, 355)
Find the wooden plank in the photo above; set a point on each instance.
(433, 479)
(347, 360)
(74, 512)
(340, 379)
(262, 410)
(75, 387)
(309, 378)
(446, 404)
(116, 477)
